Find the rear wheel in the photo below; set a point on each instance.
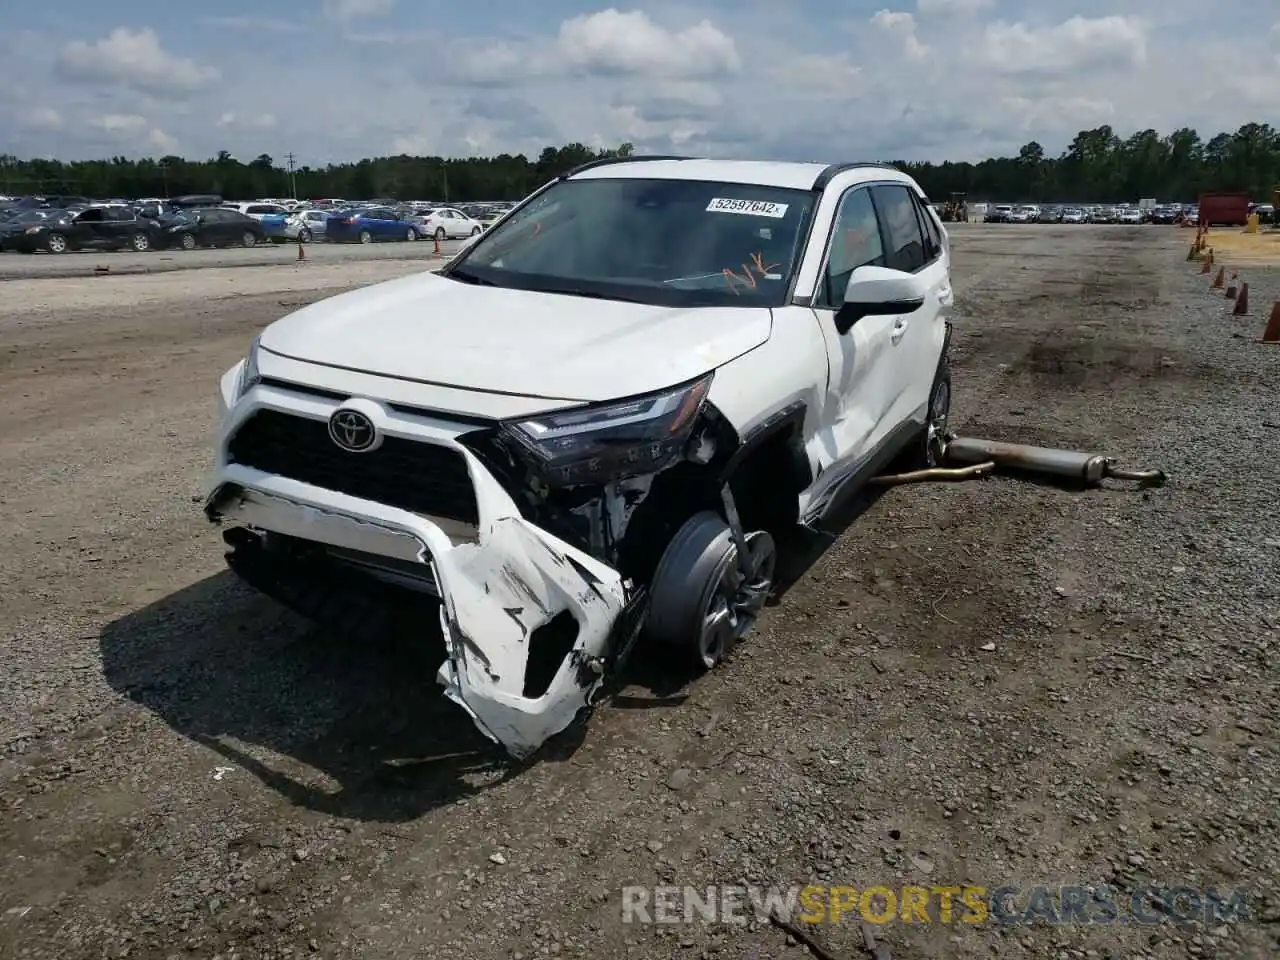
(440, 234)
(188, 241)
(140, 242)
(56, 243)
(475, 231)
(366, 236)
(248, 239)
(411, 235)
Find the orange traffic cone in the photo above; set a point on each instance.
(1217, 281)
(1209, 256)
(302, 254)
(1207, 264)
(437, 244)
(1233, 286)
(1272, 333)
(1242, 302)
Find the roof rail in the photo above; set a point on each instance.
(833, 170)
(605, 161)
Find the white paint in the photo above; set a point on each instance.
(426, 343)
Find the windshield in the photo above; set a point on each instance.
(663, 242)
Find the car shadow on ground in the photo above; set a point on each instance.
(297, 706)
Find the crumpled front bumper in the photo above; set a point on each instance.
(498, 583)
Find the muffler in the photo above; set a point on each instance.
(1087, 468)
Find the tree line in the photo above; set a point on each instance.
(1098, 166)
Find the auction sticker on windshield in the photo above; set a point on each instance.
(752, 208)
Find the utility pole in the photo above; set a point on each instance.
(293, 179)
(444, 166)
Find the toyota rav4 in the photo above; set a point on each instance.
(588, 428)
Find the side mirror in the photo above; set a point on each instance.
(878, 292)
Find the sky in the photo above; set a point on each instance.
(338, 80)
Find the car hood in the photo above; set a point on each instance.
(438, 331)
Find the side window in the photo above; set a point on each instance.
(929, 226)
(902, 229)
(90, 216)
(855, 242)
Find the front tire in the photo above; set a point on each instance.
(411, 235)
(476, 231)
(56, 243)
(440, 235)
(248, 239)
(366, 236)
(140, 242)
(700, 600)
(188, 241)
(304, 236)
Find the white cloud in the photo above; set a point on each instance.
(904, 25)
(952, 7)
(615, 42)
(259, 121)
(355, 9)
(41, 118)
(1071, 45)
(133, 59)
(164, 144)
(894, 20)
(121, 124)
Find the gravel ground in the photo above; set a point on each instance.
(995, 682)
(17, 266)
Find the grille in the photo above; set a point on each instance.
(419, 477)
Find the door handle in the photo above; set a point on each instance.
(899, 329)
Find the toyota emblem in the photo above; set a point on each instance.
(352, 431)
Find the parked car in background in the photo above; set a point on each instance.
(1130, 215)
(17, 222)
(368, 224)
(1073, 215)
(311, 224)
(211, 227)
(449, 223)
(273, 217)
(1000, 213)
(94, 228)
(1164, 214)
(1050, 215)
(1103, 215)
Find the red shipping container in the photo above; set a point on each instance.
(1224, 209)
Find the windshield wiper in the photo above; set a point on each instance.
(591, 294)
(465, 277)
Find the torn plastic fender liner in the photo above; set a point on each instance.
(496, 593)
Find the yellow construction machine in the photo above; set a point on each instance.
(955, 210)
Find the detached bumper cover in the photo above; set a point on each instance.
(498, 583)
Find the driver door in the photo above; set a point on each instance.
(859, 384)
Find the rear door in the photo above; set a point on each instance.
(913, 245)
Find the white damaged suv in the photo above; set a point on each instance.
(590, 425)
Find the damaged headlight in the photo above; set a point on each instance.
(249, 375)
(610, 441)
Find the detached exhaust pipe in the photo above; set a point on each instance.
(1087, 468)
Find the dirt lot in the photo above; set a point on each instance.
(186, 770)
(84, 263)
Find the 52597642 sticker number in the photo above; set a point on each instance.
(752, 208)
